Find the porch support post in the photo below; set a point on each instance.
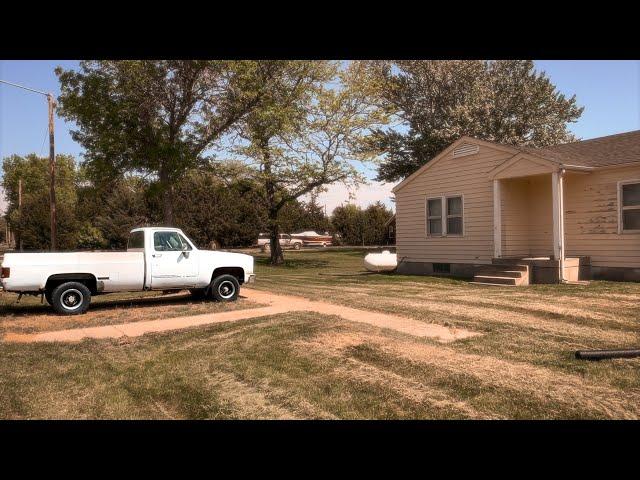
(558, 219)
(497, 220)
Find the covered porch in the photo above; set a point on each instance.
(529, 220)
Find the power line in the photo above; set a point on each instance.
(25, 88)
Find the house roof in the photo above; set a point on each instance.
(611, 150)
(601, 152)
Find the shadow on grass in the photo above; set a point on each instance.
(294, 263)
(21, 310)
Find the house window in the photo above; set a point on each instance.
(444, 216)
(454, 215)
(630, 206)
(434, 216)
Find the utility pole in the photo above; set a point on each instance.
(20, 208)
(52, 174)
(52, 160)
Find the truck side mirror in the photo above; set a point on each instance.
(185, 251)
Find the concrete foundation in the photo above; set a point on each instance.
(616, 274)
(542, 270)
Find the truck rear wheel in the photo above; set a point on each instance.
(225, 288)
(71, 298)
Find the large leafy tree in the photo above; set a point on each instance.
(156, 117)
(304, 133)
(505, 101)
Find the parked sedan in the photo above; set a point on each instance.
(286, 241)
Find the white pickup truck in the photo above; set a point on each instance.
(156, 259)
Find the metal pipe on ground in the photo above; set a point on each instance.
(604, 354)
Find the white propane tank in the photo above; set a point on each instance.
(381, 262)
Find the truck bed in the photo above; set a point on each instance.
(117, 270)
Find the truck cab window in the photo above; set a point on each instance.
(169, 242)
(136, 241)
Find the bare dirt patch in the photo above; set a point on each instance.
(381, 320)
(32, 317)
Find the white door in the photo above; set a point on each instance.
(174, 263)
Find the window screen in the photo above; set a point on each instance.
(434, 216)
(454, 215)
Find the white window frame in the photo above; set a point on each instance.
(444, 215)
(622, 208)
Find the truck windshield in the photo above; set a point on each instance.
(136, 241)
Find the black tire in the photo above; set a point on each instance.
(198, 293)
(71, 298)
(225, 288)
(296, 246)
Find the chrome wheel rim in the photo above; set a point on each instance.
(226, 289)
(72, 299)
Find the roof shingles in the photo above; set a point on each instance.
(619, 149)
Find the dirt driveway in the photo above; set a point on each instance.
(277, 304)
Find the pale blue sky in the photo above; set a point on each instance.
(609, 91)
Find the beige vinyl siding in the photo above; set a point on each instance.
(467, 176)
(591, 218)
(515, 224)
(527, 216)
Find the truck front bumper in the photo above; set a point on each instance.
(250, 278)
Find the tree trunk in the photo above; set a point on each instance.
(277, 257)
(167, 198)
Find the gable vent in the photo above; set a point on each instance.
(465, 149)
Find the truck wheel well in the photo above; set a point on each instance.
(85, 278)
(235, 271)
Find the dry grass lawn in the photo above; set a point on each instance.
(307, 365)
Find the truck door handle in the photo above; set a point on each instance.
(156, 255)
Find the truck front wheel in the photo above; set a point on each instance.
(225, 288)
(71, 298)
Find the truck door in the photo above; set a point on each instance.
(174, 263)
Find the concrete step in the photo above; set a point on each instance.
(492, 284)
(498, 272)
(510, 266)
(496, 280)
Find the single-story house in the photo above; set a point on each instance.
(514, 215)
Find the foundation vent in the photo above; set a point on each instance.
(465, 149)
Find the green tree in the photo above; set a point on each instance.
(348, 224)
(302, 135)
(210, 209)
(356, 226)
(31, 222)
(3, 230)
(375, 217)
(156, 117)
(438, 101)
